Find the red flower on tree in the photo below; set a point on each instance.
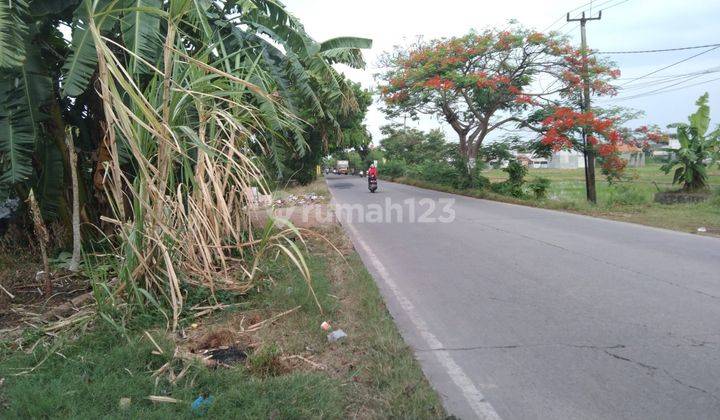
(481, 82)
(439, 83)
(566, 123)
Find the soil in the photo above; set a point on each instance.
(307, 216)
(29, 299)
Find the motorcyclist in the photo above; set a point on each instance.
(372, 178)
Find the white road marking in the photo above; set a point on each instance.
(474, 397)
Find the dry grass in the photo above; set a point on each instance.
(182, 219)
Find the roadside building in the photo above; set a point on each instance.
(661, 149)
(566, 159)
(634, 155)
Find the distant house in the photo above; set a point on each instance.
(661, 149)
(634, 156)
(566, 159)
(531, 161)
(525, 160)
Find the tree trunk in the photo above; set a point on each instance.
(463, 145)
(75, 261)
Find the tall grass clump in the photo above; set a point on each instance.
(183, 140)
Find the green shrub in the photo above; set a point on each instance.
(626, 194)
(508, 188)
(516, 172)
(516, 178)
(481, 182)
(470, 178)
(437, 172)
(413, 171)
(539, 187)
(392, 169)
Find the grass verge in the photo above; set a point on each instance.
(629, 202)
(291, 370)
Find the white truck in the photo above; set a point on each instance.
(342, 166)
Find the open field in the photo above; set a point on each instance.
(569, 184)
(629, 201)
(291, 370)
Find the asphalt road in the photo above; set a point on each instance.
(523, 313)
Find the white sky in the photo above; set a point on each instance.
(631, 25)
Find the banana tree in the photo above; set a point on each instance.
(47, 82)
(175, 104)
(699, 149)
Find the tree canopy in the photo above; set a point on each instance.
(47, 83)
(414, 146)
(486, 81)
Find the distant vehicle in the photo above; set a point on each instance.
(342, 166)
(362, 174)
(372, 183)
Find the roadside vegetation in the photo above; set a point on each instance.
(133, 279)
(484, 83)
(286, 368)
(680, 190)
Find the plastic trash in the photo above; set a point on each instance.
(325, 326)
(336, 336)
(201, 404)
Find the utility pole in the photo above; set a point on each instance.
(588, 152)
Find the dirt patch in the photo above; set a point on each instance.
(305, 217)
(28, 301)
(679, 197)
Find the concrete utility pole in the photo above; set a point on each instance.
(588, 152)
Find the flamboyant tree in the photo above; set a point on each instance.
(485, 81)
(644, 137)
(563, 129)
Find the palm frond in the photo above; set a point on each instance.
(17, 138)
(13, 32)
(49, 184)
(140, 27)
(81, 65)
(50, 7)
(345, 50)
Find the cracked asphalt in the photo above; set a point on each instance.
(549, 314)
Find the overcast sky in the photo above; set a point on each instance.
(625, 25)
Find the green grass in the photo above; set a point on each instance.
(630, 201)
(87, 378)
(569, 184)
(373, 374)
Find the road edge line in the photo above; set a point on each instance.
(473, 396)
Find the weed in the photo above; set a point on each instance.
(625, 194)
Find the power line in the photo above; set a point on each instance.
(616, 4)
(670, 65)
(658, 50)
(708, 70)
(667, 86)
(574, 10)
(563, 17)
(670, 79)
(666, 90)
(574, 27)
